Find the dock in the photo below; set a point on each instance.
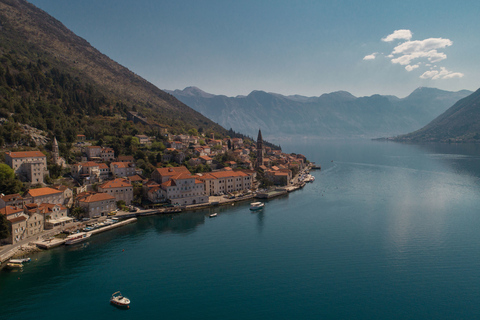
(271, 194)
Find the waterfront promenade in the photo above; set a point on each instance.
(31, 244)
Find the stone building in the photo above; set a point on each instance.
(28, 165)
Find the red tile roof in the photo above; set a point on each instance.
(96, 197)
(18, 219)
(42, 192)
(117, 183)
(172, 171)
(9, 210)
(11, 197)
(25, 154)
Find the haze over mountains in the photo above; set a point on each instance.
(332, 115)
(460, 123)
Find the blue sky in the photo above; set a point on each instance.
(287, 47)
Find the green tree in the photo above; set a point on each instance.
(8, 181)
(4, 227)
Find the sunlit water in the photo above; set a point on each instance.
(387, 231)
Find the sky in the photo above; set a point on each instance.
(287, 47)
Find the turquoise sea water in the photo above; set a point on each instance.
(387, 231)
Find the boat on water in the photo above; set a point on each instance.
(213, 215)
(119, 300)
(309, 178)
(256, 206)
(22, 260)
(14, 265)
(77, 237)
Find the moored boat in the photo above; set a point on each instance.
(77, 237)
(14, 265)
(21, 260)
(120, 301)
(256, 206)
(213, 215)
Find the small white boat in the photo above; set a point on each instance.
(256, 206)
(14, 265)
(213, 215)
(22, 260)
(77, 237)
(120, 301)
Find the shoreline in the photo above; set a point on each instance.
(28, 246)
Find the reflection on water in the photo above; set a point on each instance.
(386, 231)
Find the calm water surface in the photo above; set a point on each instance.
(387, 231)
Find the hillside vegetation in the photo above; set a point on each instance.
(56, 81)
(460, 123)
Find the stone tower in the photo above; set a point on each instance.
(259, 149)
(55, 152)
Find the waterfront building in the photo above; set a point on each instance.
(120, 188)
(161, 175)
(225, 182)
(96, 204)
(28, 165)
(17, 223)
(184, 189)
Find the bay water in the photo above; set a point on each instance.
(386, 231)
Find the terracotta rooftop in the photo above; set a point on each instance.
(172, 171)
(96, 197)
(25, 154)
(11, 197)
(42, 192)
(9, 210)
(117, 183)
(18, 219)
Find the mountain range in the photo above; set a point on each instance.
(460, 123)
(331, 115)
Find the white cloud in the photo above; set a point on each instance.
(421, 45)
(442, 74)
(410, 67)
(402, 34)
(370, 56)
(432, 56)
(419, 54)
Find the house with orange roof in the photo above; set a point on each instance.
(17, 222)
(184, 189)
(161, 175)
(223, 182)
(120, 188)
(55, 215)
(13, 200)
(28, 165)
(96, 204)
(44, 195)
(35, 219)
(122, 169)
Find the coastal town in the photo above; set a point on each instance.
(104, 190)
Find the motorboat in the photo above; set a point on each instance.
(256, 206)
(22, 260)
(14, 265)
(77, 237)
(213, 215)
(120, 301)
